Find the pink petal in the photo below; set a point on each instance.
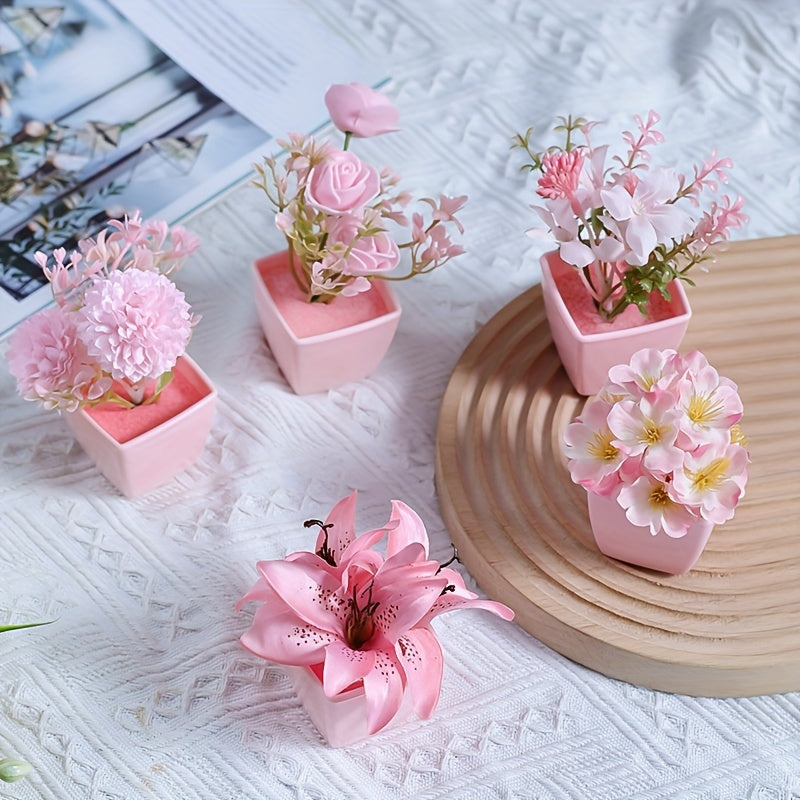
(342, 517)
(344, 666)
(261, 592)
(421, 657)
(408, 528)
(406, 605)
(641, 238)
(383, 687)
(309, 590)
(285, 639)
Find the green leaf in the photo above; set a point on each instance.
(4, 628)
(163, 381)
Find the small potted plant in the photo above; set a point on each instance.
(111, 353)
(325, 303)
(627, 236)
(354, 623)
(660, 453)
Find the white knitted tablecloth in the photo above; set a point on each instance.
(141, 690)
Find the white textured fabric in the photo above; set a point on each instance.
(141, 690)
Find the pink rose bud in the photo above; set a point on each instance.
(359, 110)
(341, 183)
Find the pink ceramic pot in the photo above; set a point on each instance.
(618, 538)
(587, 357)
(341, 720)
(318, 361)
(138, 464)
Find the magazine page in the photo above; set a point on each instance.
(270, 60)
(85, 134)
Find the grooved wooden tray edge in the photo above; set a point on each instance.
(730, 627)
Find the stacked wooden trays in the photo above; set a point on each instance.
(730, 627)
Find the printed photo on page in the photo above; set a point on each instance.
(86, 135)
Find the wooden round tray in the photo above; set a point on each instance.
(730, 627)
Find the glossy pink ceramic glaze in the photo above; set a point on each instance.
(588, 354)
(618, 538)
(143, 448)
(322, 346)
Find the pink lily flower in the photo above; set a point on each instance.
(363, 615)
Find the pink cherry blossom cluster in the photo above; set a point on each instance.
(334, 208)
(119, 323)
(662, 437)
(363, 616)
(628, 228)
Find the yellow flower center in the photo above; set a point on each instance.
(659, 497)
(737, 435)
(703, 408)
(709, 477)
(648, 381)
(651, 433)
(601, 447)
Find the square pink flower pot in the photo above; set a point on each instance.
(342, 720)
(312, 359)
(618, 538)
(150, 458)
(587, 357)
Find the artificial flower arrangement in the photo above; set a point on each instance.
(119, 322)
(334, 208)
(326, 304)
(117, 330)
(361, 618)
(625, 227)
(661, 444)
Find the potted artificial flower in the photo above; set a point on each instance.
(628, 234)
(325, 303)
(660, 453)
(111, 353)
(354, 624)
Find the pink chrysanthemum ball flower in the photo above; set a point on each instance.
(135, 324)
(51, 364)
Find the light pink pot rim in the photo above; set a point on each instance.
(622, 333)
(348, 694)
(156, 431)
(308, 341)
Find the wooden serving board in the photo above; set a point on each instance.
(730, 627)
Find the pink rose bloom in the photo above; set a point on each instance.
(368, 254)
(341, 183)
(360, 111)
(136, 324)
(51, 364)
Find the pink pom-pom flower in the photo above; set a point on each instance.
(118, 319)
(135, 324)
(51, 364)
